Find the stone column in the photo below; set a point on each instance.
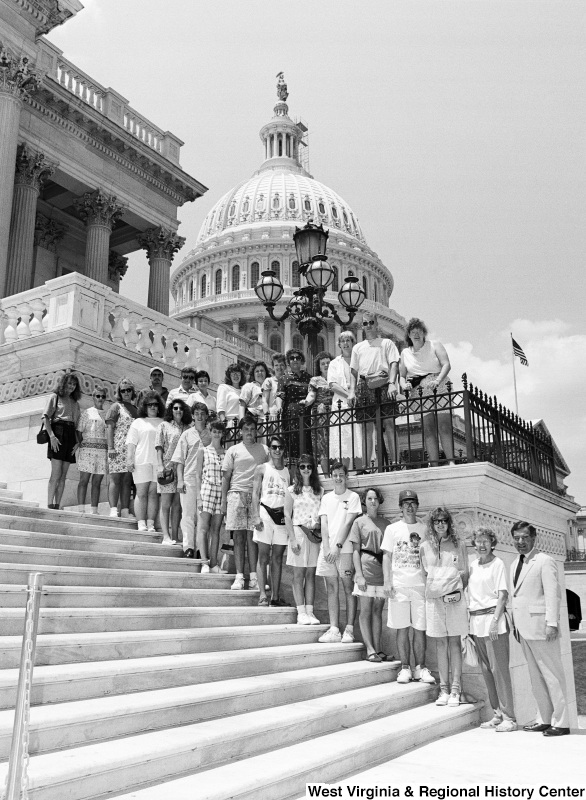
(48, 234)
(161, 245)
(99, 211)
(117, 266)
(236, 325)
(261, 331)
(16, 81)
(287, 335)
(31, 170)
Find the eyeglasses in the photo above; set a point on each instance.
(100, 396)
(441, 522)
(295, 358)
(276, 447)
(305, 466)
(368, 322)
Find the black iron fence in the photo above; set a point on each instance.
(573, 554)
(418, 429)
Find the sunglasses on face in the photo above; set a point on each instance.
(100, 396)
(276, 447)
(129, 389)
(295, 358)
(177, 408)
(368, 322)
(152, 405)
(440, 522)
(305, 466)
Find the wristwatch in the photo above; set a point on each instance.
(339, 546)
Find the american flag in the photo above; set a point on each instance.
(518, 351)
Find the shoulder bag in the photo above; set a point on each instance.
(42, 435)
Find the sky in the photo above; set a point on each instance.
(453, 128)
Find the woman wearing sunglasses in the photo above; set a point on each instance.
(292, 391)
(118, 421)
(444, 563)
(177, 418)
(92, 454)
(302, 502)
(271, 480)
(142, 459)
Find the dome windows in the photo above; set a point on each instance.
(307, 204)
(232, 210)
(365, 285)
(295, 281)
(321, 207)
(334, 212)
(204, 285)
(297, 342)
(292, 203)
(218, 282)
(246, 205)
(254, 274)
(345, 218)
(275, 342)
(276, 202)
(276, 267)
(236, 277)
(335, 282)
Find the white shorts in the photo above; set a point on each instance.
(408, 609)
(309, 551)
(144, 473)
(371, 591)
(446, 619)
(342, 566)
(270, 533)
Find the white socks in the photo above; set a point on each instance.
(302, 609)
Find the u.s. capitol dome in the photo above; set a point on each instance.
(250, 229)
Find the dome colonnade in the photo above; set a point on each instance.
(250, 229)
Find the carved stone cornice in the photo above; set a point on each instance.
(48, 233)
(117, 266)
(32, 168)
(16, 75)
(160, 242)
(97, 208)
(45, 15)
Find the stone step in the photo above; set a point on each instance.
(10, 494)
(91, 543)
(10, 502)
(72, 724)
(283, 774)
(79, 558)
(103, 531)
(269, 630)
(115, 766)
(14, 596)
(96, 620)
(32, 510)
(66, 682)
(58, 575)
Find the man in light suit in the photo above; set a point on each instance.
(535, 594)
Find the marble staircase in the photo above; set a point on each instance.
(153, 680)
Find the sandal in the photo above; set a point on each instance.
(279, 602)
(381, 655)
(374, 658)
(264, 600)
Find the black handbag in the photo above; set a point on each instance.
(313, 534)
(276, 514)
(167, 477)
(42, 435)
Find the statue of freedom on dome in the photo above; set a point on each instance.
(282, 92)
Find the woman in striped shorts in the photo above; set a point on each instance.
(208, 493)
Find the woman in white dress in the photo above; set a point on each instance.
(228, 400)
(92, 455)
(345, 435)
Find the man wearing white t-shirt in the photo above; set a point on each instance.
(337, 512)
(405, 587)
(373, 365)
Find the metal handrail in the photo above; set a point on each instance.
(17, 778)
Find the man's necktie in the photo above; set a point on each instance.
(518, 570)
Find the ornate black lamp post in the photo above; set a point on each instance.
(308, 306)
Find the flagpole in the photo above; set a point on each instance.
(514, 377)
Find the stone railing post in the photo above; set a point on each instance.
(99, 211)
(161, 245)
(31, 171)
(17, 79)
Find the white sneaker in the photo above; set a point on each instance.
(331, 636)
(216, 570)
(142, 526)
(303, 619)
(313, 620)
(113, 512)
(253, 583)
(442, 699)
(506, 726)
(348, 637)
(492, 723)
(423, 674)
(205, 568)
(453, 700)
(151, 527)
(404, 675)
(238, 583)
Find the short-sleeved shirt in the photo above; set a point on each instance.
(372, 358)
(180, 394)
(209, 401)
(484, 585)
(62, 409)
(186, 453)
(402, 540)
(368, 533)
(251, 397)
(242, 460)
(143, 433)
(228, 400)
(114, 412)
(270, 385)
(335, 507)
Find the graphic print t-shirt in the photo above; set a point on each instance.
(402, 540)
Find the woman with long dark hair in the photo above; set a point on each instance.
(60, 419)
(319, 397)
(445, 564)
(176, 419)
(292, 391)
(302, 502)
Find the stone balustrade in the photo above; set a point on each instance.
(244, 346)
(106, 101)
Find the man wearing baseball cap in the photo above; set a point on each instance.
(157, 376)
(405, 587)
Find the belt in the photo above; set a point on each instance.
(481, 611)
